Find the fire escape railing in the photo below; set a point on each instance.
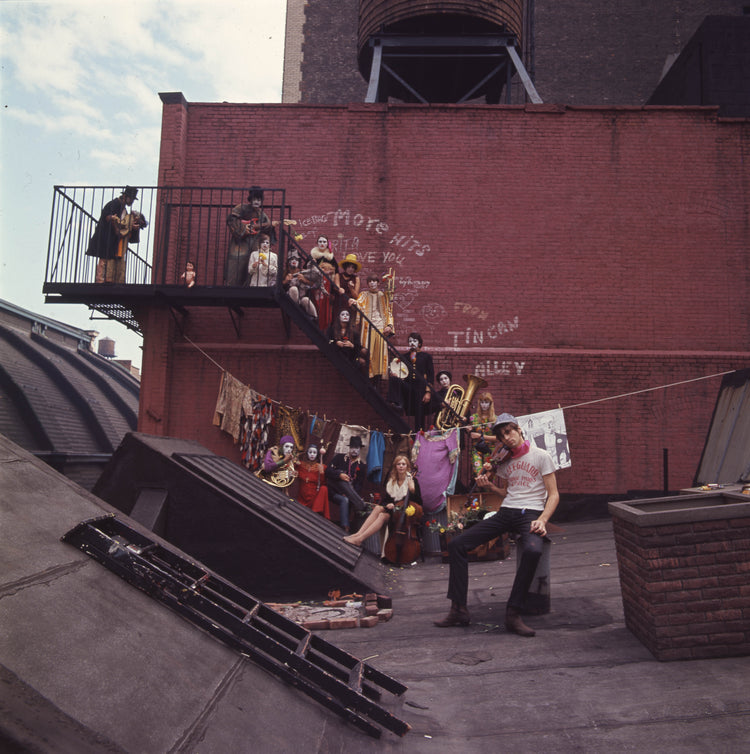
(184, 224)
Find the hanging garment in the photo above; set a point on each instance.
(228, 411)
(375, 452)
(258, 426)
(436, 456)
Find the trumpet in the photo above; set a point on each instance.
(457, 402)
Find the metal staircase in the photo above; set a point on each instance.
(356, 378)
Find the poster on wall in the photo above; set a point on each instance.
(547, 431)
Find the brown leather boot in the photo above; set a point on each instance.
(515, 624)
(458, 616)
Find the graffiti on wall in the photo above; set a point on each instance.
(496, 368)
(350, 232)
(401, 243)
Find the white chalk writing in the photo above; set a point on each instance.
(492, 368)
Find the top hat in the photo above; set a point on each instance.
(355, 441)
(130, 191)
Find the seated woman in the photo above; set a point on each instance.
(481, 432)
(345, 336)
(401, 488)
(312, 491)
(297, 284)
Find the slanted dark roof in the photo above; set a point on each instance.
(60, 400)
(726, 454)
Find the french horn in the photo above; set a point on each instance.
(457, 403)
(281, 477)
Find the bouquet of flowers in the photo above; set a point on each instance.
(471, 514)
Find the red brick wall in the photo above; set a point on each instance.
(685, 586)
(566, 255)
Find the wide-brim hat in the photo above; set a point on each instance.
(350, 259)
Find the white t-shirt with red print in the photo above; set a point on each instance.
(524, 477)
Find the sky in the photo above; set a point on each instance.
(80, 83)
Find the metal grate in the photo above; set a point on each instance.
(336, 679)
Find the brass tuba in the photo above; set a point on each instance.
(457, 402)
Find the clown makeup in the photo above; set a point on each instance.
(444, 380)
(372, 285)
(353, 451)
(484, 405)
(312, 453)
(344, 315)
(413, 344)
(287, 448)
(322, 242)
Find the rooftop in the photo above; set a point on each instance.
(90, 663)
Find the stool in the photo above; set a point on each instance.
(537, 601)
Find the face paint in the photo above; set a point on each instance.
(413, 344)
(372, 285)
(353, 452)
(445, 381)
(322, 242)
(484, 405)
(312, 453)
(344, 316)
(287, 448)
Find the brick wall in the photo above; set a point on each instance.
(685, 587)
(583, 53)
(565, 255)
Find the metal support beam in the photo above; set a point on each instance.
(374, 85)
(528, 84)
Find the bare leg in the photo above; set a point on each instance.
(374, 523)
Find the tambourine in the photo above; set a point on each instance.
(399, 369)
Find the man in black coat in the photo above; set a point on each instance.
(346, 475)
(412, 391)
(115, 230)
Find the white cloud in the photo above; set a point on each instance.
(80, 84)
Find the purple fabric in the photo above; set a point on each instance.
(436, 457)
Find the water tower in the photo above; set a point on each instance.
(443, 50)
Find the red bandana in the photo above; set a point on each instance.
(521, 450)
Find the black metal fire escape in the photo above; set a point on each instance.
(185, 223)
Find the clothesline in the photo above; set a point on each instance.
(649, 389)
(564, 408)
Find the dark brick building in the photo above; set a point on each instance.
(578, 52)
(574, 257)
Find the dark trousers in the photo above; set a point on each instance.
(511, 520)
(345, 489)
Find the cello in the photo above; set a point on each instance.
(403, 544)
